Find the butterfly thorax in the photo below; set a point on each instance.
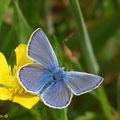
(58, 74)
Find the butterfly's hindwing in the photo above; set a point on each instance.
(57, 95)
(80, 82)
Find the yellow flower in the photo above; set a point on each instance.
(10, 88)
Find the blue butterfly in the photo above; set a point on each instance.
(49, 81)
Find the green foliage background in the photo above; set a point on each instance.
(85, 35)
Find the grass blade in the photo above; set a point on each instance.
(84, 38)
(89, 54)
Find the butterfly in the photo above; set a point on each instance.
(46, 79)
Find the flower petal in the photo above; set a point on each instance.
(4, 94)
(21, 55)
(27, 100)
(4, 70)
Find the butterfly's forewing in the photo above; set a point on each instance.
(33, 77)
(57, 95)
(80, 82)
(40, 50)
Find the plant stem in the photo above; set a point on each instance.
(35, 112)
(118, 93)
(65, 114)
(89, 56)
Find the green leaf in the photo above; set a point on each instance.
(9, 43)
(22, 27)
(118, 93)
(104, 103)
(36, 113)
(3, 7)
(59, 114)
(13, 113)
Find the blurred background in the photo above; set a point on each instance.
(19, 18)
